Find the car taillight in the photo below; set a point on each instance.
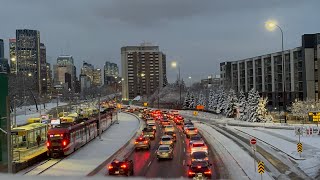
(136, 142)
(145, 142)
(170, 142)
(64, 142)
(187, 130)
(205, 148)
(124, 166)
(48, 144)
(199, 167)
(207, 172)
(191, 173)
(196, 130)
(110, 167)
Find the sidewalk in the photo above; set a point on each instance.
(86, 159)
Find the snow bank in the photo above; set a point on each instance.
(236, 156)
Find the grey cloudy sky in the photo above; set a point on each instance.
(198, 34)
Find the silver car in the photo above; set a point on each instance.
(165, 152)
(166, 140)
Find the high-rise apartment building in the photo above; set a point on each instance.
(264, 73)
(97, 81)
(4, 67)
(13, 57)
(28, 56)
(111, 72)
(87, 69)
(143, 70)
(43, 68)
(65, 72)
(49, 78)
(1, 48)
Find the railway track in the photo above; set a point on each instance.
(43, 167)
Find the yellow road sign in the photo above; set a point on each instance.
(195, 113)
(260, 167)
(299, 147)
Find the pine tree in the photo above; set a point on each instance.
(192, 102)
(186, 102)
(242, 106)
(211, 100)
(221, 103)
(201, 100)
(232, 103)
(261, 110)
(253, 101)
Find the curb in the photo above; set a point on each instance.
(104, 163)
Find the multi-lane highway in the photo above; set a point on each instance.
(147, 165)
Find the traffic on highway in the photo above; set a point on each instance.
(170, 146)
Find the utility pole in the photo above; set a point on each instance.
(99, 116)
(15, 113)
(9, 137)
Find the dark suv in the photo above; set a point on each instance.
(199, 168)
(124, 167)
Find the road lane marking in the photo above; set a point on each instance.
(149, 163)
(183, 162)
(184, 149)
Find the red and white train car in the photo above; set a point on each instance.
(67, 138)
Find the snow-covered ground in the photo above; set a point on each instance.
(231, 121)
(286, 141)
(32, 111)
(86, 159)
(238, 162)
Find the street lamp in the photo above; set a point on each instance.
(174, 64)
(271, 25)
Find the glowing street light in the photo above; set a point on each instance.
(142, 74)
(174, 64)
(271, 25)
(29, 74)
(189, 77)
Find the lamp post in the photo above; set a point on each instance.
(175, 65)
(271, 26)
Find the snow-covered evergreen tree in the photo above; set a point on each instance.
(201, 99)
(242, 103)
(187, 99)
(211, 100)
(192, 102)
(221, 102)
(232, 103)
(253, 101)
(262, 115)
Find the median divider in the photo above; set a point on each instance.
(126, 149)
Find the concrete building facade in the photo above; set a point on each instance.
(264, 73)
(143, 70)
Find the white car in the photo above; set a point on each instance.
(169, 128)
(153, 125)
(151, 121)
(186, 127)
(166, 140)
(198, 147)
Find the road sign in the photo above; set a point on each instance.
(298, 130)
(260, 167)
(195, 113)
(253, 141)
(299, 147)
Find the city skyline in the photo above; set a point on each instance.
(214, 42)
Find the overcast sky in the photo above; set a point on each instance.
(197, 34)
